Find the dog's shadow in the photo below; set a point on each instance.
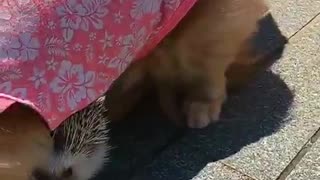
(249, 116)
(148, 147)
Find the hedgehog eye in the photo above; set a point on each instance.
(67, 173)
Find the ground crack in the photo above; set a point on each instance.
(304, 150)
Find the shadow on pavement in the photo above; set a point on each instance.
(249, 116)
(149, 148)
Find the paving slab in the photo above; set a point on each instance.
(309, 166)
(299, 68)
(292, 15)
(220, 171)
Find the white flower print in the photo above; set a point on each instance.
(103, 59)
(172, 4)
(126, 56)
(80, 14)
(107, 41)
(49, 2)
(127, 40)
(51, 64)
(52, 25)
(77, 47)
(141, 37)
(43, 101)
(136, 40)
(24, 12)
(106, 79)
(92, 36)
(38, 77)
(73, 83)
(10, 73)
(122, 61)
(89, 52)
(5, 16)
(61, 103)
(51, 120)
(155, 23)
(118, 17)
(142, 7)
(56, 46)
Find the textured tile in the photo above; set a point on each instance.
(309, 166)
(299, 68)
(292, 15)
(220, 171)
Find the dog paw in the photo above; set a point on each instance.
(201, 114)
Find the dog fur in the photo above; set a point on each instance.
(25, 142)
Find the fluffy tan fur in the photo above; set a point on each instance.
(191, 69)
(25, 142)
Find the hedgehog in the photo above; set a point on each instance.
(80, 146)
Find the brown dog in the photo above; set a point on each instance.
(192, 67)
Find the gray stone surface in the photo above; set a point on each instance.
(299, 68)
(309, 167)
(220, 171)
(292, 15)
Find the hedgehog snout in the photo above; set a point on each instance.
(41, 174)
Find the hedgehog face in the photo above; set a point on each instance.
(68, 166)
(40, 174)
(80, 146)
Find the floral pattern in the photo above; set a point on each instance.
(60, 55)
(75, 15)
(142, 7)
(73, 83)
